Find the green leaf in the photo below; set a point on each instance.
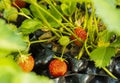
(30, 1)
(68, 8)
(105, 36)
(26, 11)
(9, 40)
(10, 72)
(49, 19)
(109, 14)
(9, 65)
(30, 78)
(102, 56)
(30, 25)
(117, 2)
(8, 69)
(5, 4)
(10, 14)
(64, 8)
(116, 43)
(52, 22)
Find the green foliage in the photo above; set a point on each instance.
(116, 43)
(5, 4)
(40, 15)
(30, 25)
(105, 36)
(109, 14)
(102, 56)
(31, 1)
(68, 8)
(9, 40)
(10, 14)
(13, 74)
(30, 78)
(8, 65)
(117, 2)
(49, 19)
(26, 11)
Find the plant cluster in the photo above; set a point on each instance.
(91, 26)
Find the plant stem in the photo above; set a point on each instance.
(59, 12)
(81, 52)
(105, 69)
(22, 14)
(63, 50)
(38, 41)
(43, 18)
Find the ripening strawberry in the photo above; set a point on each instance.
(81, 33)
(20, 3)
(57, 67)
(26, 63)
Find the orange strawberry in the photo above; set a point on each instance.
(57, 67)
(26, 63)
(81, 33)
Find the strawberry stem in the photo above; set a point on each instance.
(39, 41)
(81, 52)
(106, 70)
(63, 50)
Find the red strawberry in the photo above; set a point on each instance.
(19, 3)
(81, 33)
(26, 63)
(57, 67)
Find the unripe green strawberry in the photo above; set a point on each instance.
(81, 33)
(64, 40)
(57, 67)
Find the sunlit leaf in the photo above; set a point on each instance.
(30, 1)
(109, 14)
(105, 36)
(117, 2)
(5, 4)
(68, 8)
(31, 78)
(49, 19)
(10, 40)
(10, 72)
(26, 11)
(102, 56)
(30, 25)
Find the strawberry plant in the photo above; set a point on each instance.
(78, 32)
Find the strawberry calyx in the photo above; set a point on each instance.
(23, 57)
(26, 62)
(59, 58)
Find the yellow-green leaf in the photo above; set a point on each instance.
(102, 56)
